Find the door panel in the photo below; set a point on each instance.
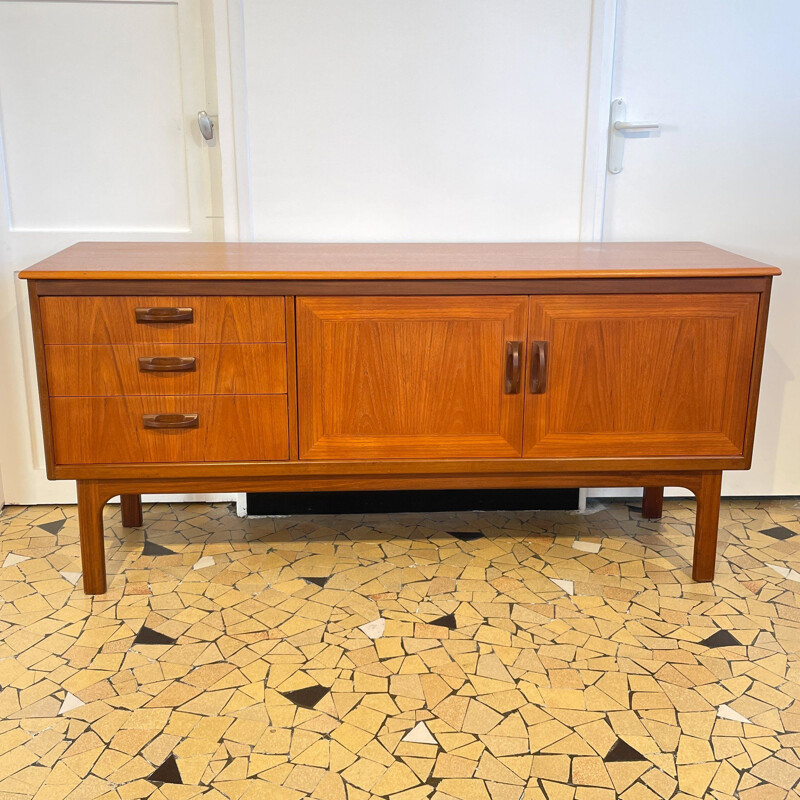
(641, 375)
(407, 377)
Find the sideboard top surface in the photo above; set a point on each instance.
(340, 261)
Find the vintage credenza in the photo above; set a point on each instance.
(267, 367)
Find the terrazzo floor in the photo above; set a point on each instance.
(544, 656)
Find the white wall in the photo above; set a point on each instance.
(416, 120)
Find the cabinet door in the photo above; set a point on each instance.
(639, 375)
(408, 377)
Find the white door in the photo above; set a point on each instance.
(98, 140)
(722, 77)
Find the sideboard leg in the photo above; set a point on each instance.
(706, 526)
(653, 502)
(131, 510)
(90, 524)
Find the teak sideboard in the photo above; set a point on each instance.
(299, 367)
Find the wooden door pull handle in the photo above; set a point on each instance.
(165, 314)
(169, 421)
(513, 367)
(538, 367)
(167, 364)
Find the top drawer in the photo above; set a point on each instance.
(113, 320)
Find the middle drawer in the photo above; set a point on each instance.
(165, 369)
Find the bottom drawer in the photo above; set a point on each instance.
(111, 430)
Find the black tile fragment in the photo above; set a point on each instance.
(52, 527)
(149, 636)
(622, 751)
(447, 621)
(778, 532)
(153, 549)
(467, 536)
(168, 772)
(307, 697)
(721, 639)
(316, 581)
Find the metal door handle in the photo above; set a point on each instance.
(636, 126)
(538, 367)
(513, 366)
(206, 125)
(618, 128)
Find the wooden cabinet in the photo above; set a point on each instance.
(408, 377)
(290, 367)
(641, 375)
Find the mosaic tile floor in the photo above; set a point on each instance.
(478, 656)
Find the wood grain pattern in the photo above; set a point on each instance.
(111, 320)
(102, 430)
(293, 261)
(642, 376)
(113, 370)
(407, 377)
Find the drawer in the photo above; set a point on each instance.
(111, 430)
(155, 369)
(113, 320)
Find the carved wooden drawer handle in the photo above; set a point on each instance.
(169, 421)
(538, 367)
(165, 314)
(167, 364)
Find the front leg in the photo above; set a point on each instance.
(706, 525)
(91, 501)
